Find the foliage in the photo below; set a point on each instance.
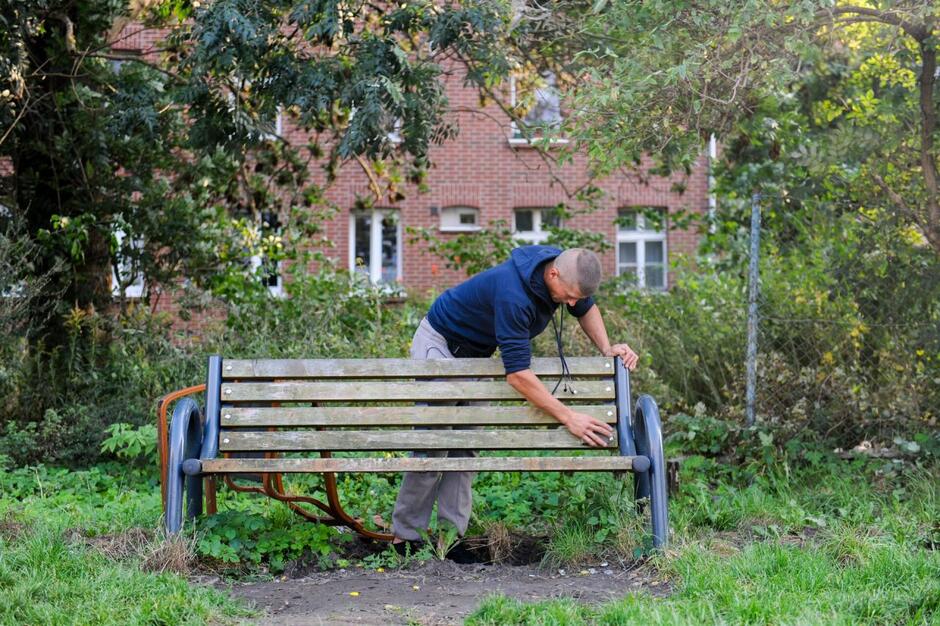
(656, 79)
(826, 541)
(45, 579)
(167, 166)
(482, 249)
(472, 252)
(245, 538)
(132, 443)
(691, 341)
(441, 542)
(96, 383)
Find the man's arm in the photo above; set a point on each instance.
(588, 429)
(593, 326)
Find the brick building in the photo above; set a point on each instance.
(490, 173)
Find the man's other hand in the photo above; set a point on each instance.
(626, 354)
(588, 429)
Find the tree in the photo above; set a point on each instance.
(658, 78)
(175, 150)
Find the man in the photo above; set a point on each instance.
(505, 307)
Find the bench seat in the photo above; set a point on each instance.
(256, 411)
(414, 464)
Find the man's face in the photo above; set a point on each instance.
(560, 290)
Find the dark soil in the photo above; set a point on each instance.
(431, 592)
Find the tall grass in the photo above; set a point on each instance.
(833, 544)
(44, 579)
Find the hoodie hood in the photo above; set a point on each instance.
(506, 306)
(527, 259)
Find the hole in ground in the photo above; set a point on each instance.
(507, 548)
(501, 547)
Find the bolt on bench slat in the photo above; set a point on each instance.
(286, 441)
(338, 416)
(368, 391)
(243, 369)
(479, 464)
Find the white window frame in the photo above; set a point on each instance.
(640, 237)
(18, 290)
(515, 134)
(375, 243)
(536, 235)
(136, 288)
(278, 116)
(454, 225)
(277, 289)
(278, 124)
(395, 136)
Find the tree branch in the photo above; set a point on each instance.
(917, 31)
(373, 181)
(928, 111)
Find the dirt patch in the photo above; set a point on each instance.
(115, 546)
(11, 529)
(431, 593)
(157, 552)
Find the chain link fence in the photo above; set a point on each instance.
(855, 355)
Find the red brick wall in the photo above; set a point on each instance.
(481, 169)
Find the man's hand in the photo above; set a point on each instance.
(626, 354)
(588, 429)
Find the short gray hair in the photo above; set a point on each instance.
(580, 268)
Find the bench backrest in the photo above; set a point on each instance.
(276, 405)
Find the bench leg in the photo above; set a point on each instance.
(652, 483)
(185, 442)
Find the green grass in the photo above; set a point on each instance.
(833, 544)
(46, 580)
(762, 584)
(49, 576)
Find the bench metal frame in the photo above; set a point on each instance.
(193, 453)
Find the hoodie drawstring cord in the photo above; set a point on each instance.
(565, 372)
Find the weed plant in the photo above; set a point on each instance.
(832, 543)
(794, 538)
(81, 547)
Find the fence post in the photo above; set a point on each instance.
(752, 296)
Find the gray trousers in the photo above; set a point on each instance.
(419, 490)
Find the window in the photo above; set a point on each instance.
(375, 249)
(268, 127)
(127, 273)
(531, 224)
(460, 218)
(641, 246)
(126, 56)
(544, 113)
(395, 136)
(274, 129)
(10, 256)
(266, 268)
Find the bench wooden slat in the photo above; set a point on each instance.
(374, 391)
(400, 464)
(243, 369)
(556, 438)
(337, 416)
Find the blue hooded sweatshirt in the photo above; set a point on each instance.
(505, 307)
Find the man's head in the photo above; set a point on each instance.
(573, 275)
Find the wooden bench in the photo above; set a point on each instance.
(310, 409)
